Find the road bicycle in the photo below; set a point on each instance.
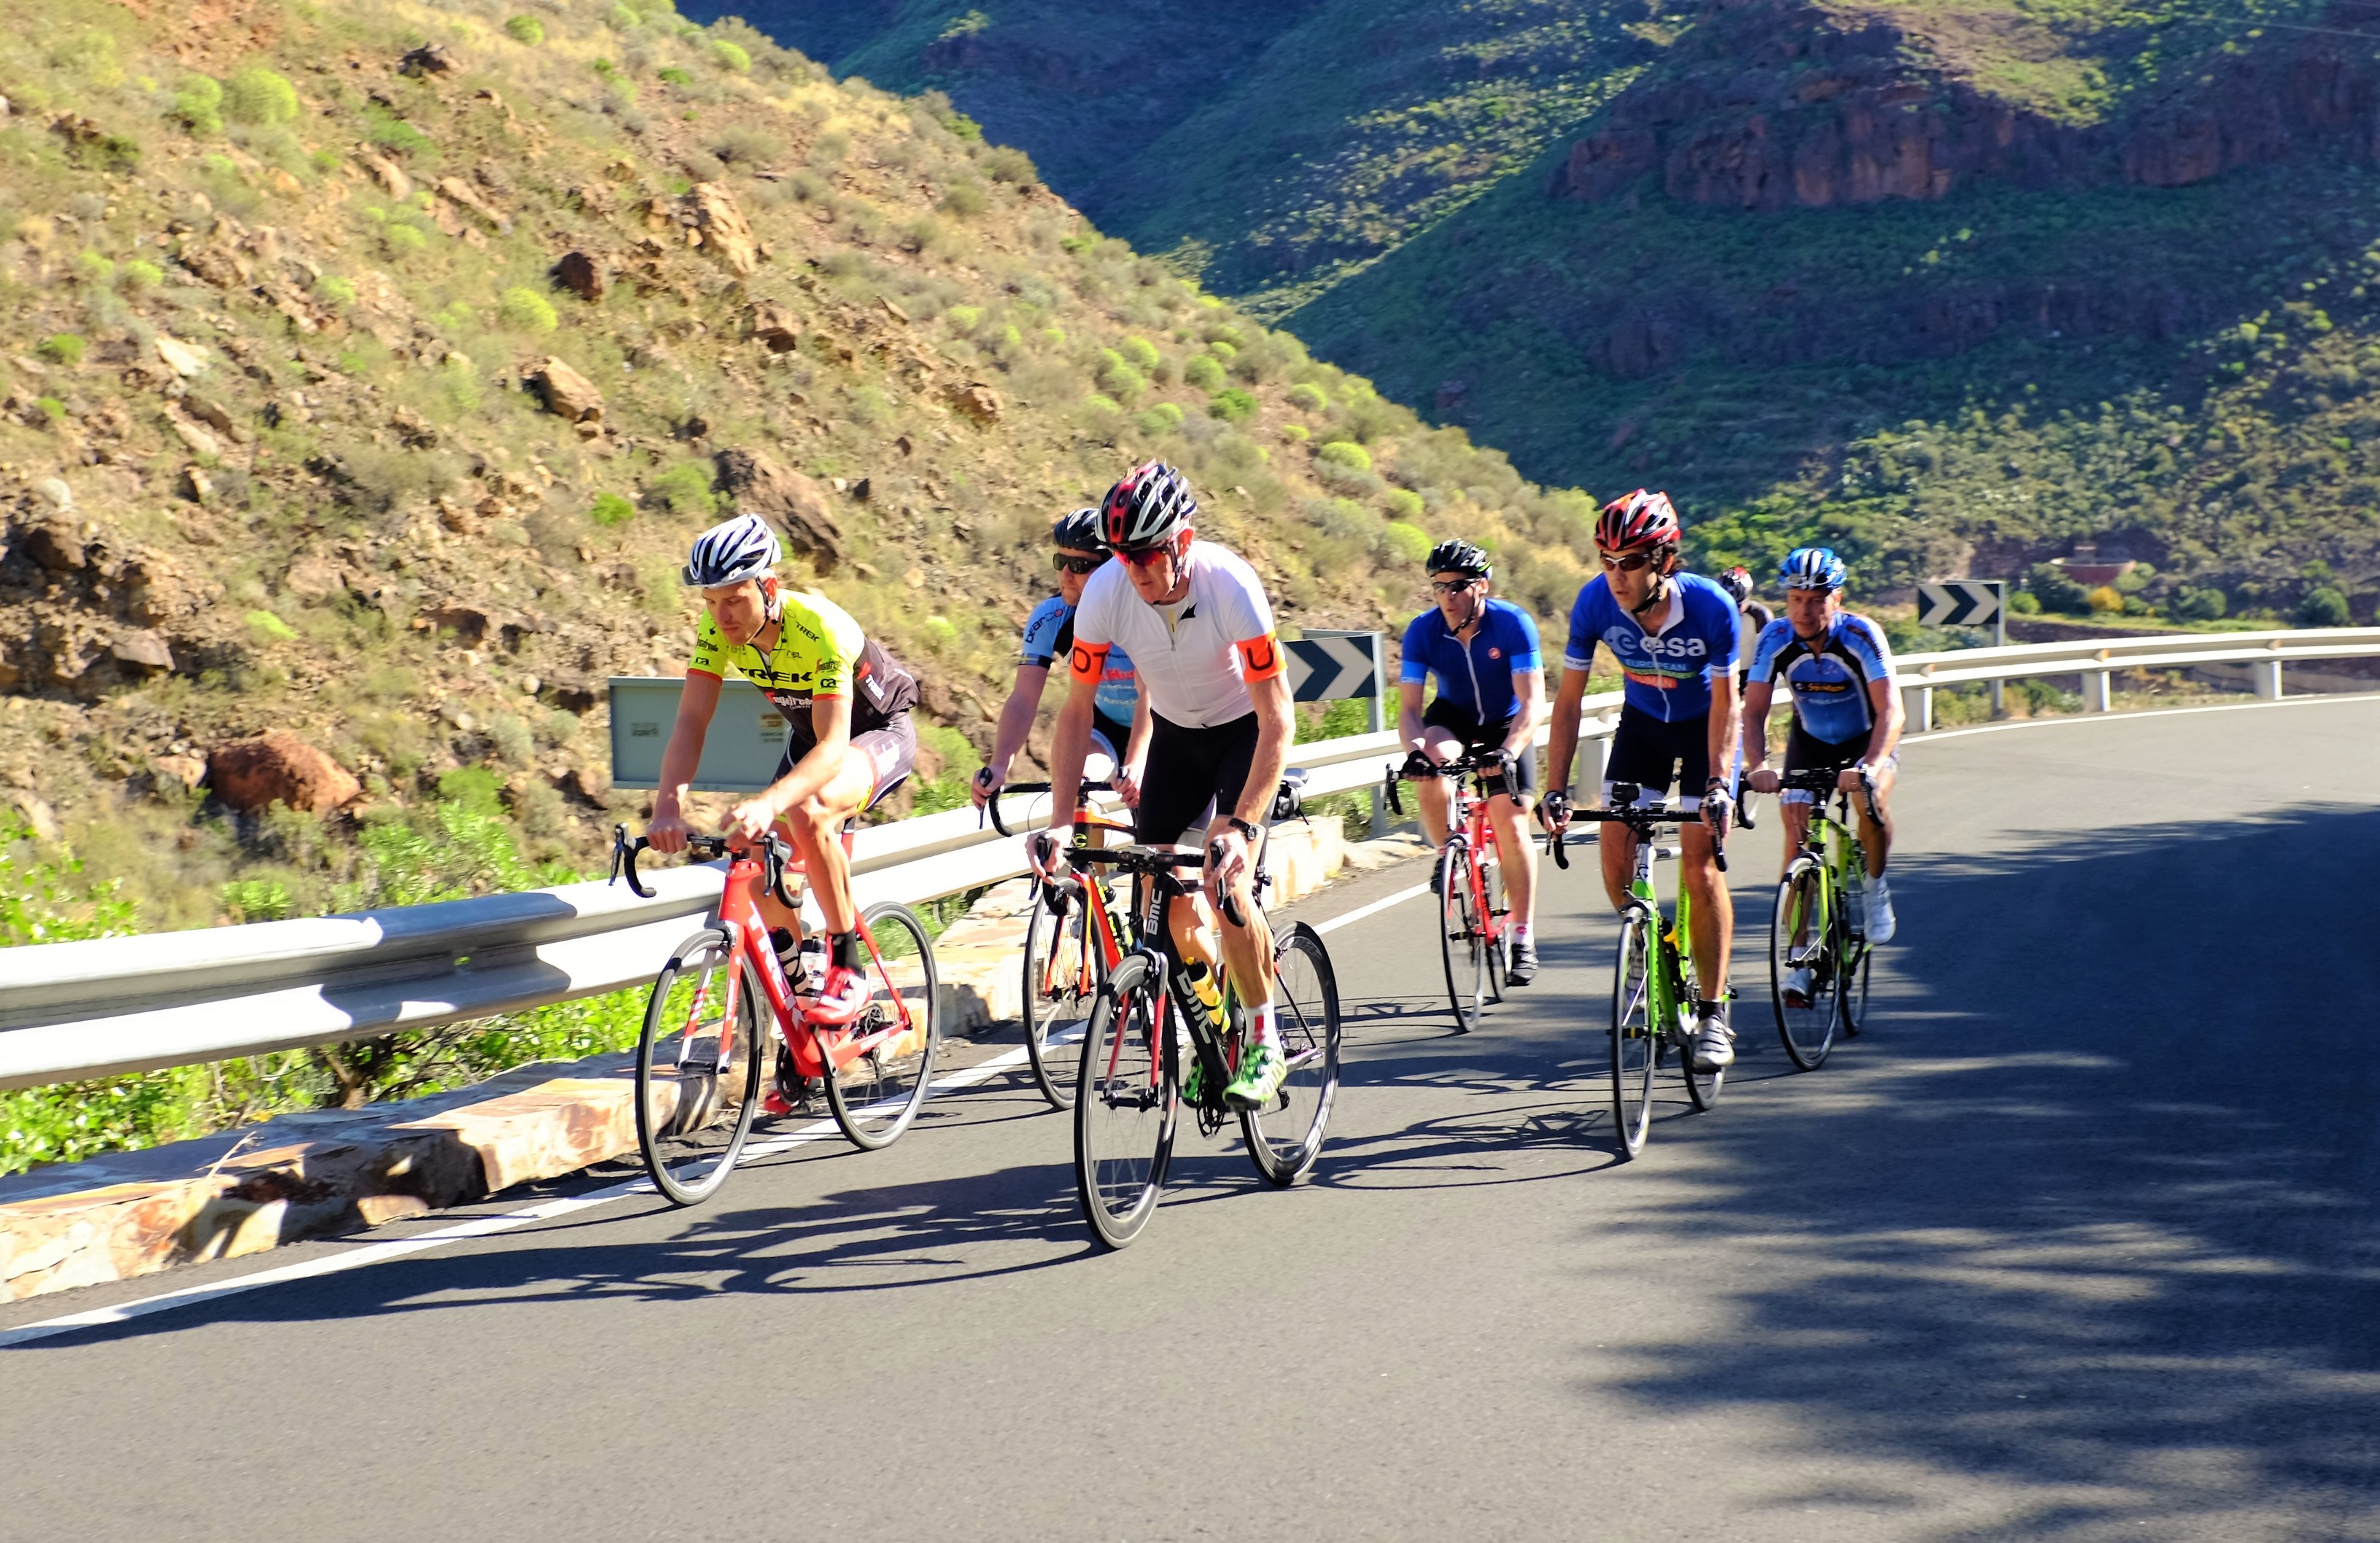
(699, 1056)
(1812, 928)
(1156, 1013)
(1075, 937)
(1652, 1012)
(1471, 905)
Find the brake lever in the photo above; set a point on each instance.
(624, 861)
(1232, 912)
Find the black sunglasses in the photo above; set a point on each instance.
(1066, 561)
(1451, 586)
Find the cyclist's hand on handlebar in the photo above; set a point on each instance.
(1417, 764)
(1127, 784)
(985, 786)
(1718, 809)
(1226, 860)
(1553, 810)
(749, 820)
(1044, 849)
(1852, 777)
(667, 834)
(1760, 779)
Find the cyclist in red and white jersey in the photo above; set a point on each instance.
(1200, 632)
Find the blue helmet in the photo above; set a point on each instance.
(1079, 532)
(1812, 567)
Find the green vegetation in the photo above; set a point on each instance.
(527, 30)
(256, 95)
(523, 310)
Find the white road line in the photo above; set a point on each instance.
(363, 1255)
(2129, 717)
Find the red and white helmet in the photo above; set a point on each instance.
(1145, 509)
(1641, 519)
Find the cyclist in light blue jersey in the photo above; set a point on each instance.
(1491, 694)
(1847, 719)
(1120, 722)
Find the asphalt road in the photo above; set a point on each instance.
(2078, 1243)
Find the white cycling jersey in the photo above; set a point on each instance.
(1195, 657)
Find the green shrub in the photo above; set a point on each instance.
(523, 310)
(512, 739)
(2105, 600)
(526, 29)
(1232, 405)
(1296, 433)
(62, 349)
(1010, 164)
(94, 270)
(1162, 419)
(2325, 606)
(965, 198)
(610, 509)
(256, 95)
(198, 104)
(731, 55)
(2024, 602)
(684, 489)
(1411, 543)
(621, 19)
(138, 274)
(403, 240)
(52, 409)
(1346, 453)
(1203, 373)
(2198, 604)
(251, 900)
(1403, 504)
(1142, 353)
(270, 627)
(1120, 379)
(336, 290)
(965, 318)
(673, 75)
(2058, 592)
(1305, 394)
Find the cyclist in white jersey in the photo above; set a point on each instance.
(1200, 632)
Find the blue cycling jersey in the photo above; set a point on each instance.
(1667, 670)
(1475, 677)
(1049, 635)
(1828, 675)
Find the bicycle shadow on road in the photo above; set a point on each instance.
(2087, 1221)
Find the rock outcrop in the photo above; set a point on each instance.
(793, 502)
(283, 768)
(567, 395)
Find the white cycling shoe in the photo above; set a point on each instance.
(1878, 908)
(1799, 984)
(1714, 1046)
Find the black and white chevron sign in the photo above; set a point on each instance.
(1959, 602)
(1324, 669)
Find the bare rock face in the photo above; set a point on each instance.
(386, 172)
(709, 212)
(255, 773)
(776, 326)
(57, 544)
(978, 401)
(429, 59)
(144, 651)
(568, 395)
(581, 274)
(764, 486)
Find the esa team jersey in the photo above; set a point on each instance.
(1667, 668)
(1475, 677)
(819, 652)
(1828, 675)
(1195, 657)
(1049, 635)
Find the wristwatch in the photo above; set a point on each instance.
(1244, 827)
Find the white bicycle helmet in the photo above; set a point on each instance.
(1145, 509)
(731, 552)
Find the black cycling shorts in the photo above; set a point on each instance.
(890, 750)
(1465, 725)
(1110, 737)
(1807, 752)
(1192, 774)
(1653, 754)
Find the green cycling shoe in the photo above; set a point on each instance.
(1262, 1071)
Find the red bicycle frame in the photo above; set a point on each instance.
(1101, 923)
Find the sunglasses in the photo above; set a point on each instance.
(1144, 557)
(1451, 586)
(1066, 561)
(1629, 563)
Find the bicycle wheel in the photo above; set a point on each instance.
(875, 1096)
(1855, 990)
(699, 1068)
(1635, 1037)
(1056, 1003)
(1125, 1102)
(1807, 1024)
(1702, 1087)
(1499, 952)
(1285, 1136)
(1460, 940)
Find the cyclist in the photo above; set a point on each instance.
(1119, 716)
(1491, 694)
(846, 703)
(1674, 636)
(1847, 719)
(1201, 630)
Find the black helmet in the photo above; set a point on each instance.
(1461, 556)
(1079, 532)
(1738, 583)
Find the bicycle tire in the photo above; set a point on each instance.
(1126, 1103)
(1284, 1138)
(1702, 1087)
(1635, 1038)
(1808, 1032)
(876, 1097)
(688, 1149)
(1053, 1022)
(1459, 940)
(1499, 954)
(1854, 993)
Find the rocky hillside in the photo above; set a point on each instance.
(367, 369)
(1952, 285)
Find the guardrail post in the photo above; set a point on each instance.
(2265, 675)
(1918, 701)
(2096, 697)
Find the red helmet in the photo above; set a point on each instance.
(1641, 519)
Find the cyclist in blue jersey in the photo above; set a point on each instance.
(1491, 694)
(1120, 722)
(1674, 634)
(1847, 719)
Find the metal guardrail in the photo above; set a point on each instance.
(128, 1005)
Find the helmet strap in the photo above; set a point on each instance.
(1654, 596)
(772, 597)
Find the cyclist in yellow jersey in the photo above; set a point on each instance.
(847, 705)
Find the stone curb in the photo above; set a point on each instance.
(304, 1175)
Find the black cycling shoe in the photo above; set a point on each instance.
(1438, 874)
(1524, 966)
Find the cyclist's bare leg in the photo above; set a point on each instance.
(1619, 849)
(1433, 793)
(1797, 829)
(817, 830)
(1507, 816)
(1714, 926)
(1875, 838)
